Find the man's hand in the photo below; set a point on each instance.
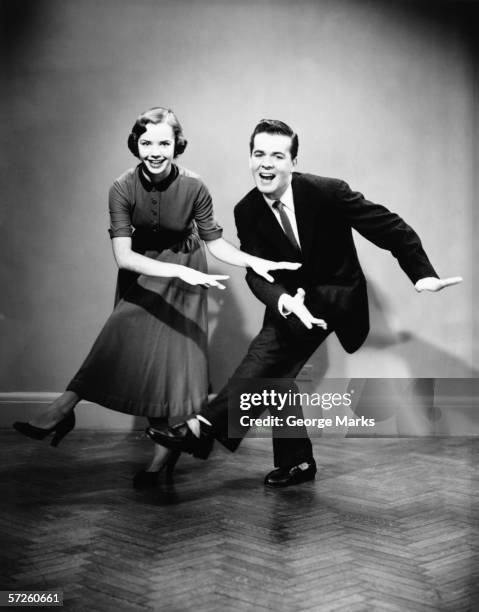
(296, 306)
(430, 283)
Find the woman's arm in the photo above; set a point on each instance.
(224, 251)
(126, 258)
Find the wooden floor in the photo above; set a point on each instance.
(388, 525)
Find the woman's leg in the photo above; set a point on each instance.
(57, 410)
(147, 478)
(160, 453)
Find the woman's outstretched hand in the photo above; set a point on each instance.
(193, 277)
(264, 266)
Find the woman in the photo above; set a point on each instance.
(150, 357)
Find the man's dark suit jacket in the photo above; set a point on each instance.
(326, 212)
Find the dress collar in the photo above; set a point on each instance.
(148, 180)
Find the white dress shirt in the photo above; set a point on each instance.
(288, 202)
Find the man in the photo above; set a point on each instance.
(306, 218)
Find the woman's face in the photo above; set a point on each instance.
(156, 148)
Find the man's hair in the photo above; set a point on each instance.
(274, 126)
(156, 115)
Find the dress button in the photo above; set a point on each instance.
(155, 201)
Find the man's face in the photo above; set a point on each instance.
(271, 163)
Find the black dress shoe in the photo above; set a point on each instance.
(284, 477)
(145, 480)
(181, 438)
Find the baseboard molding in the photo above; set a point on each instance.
(22, 406)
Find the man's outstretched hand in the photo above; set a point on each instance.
(296, 306)
(430, 283)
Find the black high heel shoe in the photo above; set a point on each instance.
(59, 430)
(145, 480)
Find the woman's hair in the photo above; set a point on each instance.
(274, 126)
(155, 115)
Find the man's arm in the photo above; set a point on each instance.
(388, 230)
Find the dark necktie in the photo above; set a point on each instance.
(285, 222)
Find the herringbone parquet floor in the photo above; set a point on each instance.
(388, 525)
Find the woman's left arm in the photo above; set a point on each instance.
(224, 251)
(211, 232)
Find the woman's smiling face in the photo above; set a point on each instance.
(156, 148)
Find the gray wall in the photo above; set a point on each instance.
(381, 93)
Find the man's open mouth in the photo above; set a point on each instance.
(266, 176)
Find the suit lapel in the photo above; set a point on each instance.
(305, 214)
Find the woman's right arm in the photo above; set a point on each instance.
(127, 259)
(119, 204)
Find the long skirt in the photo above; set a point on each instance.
(150, 358)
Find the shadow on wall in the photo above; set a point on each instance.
(229, 340)
(415, 405)
(392, 384)
(414, 351)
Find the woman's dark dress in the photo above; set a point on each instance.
(150, 358)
